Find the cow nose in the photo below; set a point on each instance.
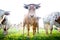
(32, 15)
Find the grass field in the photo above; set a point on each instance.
(17, 35)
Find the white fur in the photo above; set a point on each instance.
(51, 19)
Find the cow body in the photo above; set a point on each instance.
(30, 19)
(52, 19)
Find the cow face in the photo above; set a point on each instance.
(32, 6)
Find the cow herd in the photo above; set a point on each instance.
(31, 19)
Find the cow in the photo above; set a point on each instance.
(50, 20)
(4, 20)
(31, 19)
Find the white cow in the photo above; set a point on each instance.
(4, 21)
(50, 21)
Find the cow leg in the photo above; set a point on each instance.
(23, 28)
(0, 26)
(51, 26)
(5, 30)
(28, 28)
(37, 28)
(46, 28)
(34, 29)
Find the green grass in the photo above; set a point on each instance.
(17, 35)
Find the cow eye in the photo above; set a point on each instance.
(36, 7)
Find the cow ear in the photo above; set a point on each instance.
(25, 4)
(38, 6)
(7, 13)
(26, 7)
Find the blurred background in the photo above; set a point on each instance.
(17, 10)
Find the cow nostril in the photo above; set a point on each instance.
(32, 15)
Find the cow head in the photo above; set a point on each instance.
(6, 13)
(31, 6)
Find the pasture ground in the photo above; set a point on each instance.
(17, 35)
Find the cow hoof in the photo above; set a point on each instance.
(28, 37)
(5, 33)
